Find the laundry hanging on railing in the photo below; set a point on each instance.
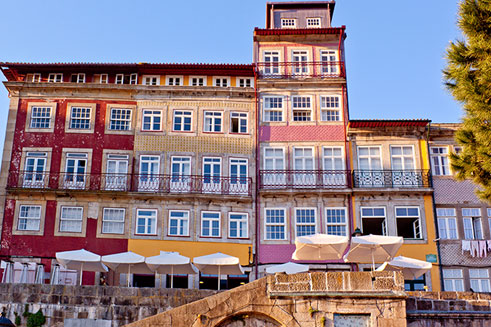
(476, 248)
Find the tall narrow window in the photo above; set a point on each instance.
(238, 122)
(113, 221)
(239, 183)
(330, 108)
(300, 65)
(237, 225)
(178, 223)
(301, 108)
(149, 178)
(146, 222)
(336, 223)
(75, 170)
(212, 170)
(40, 117)
(305, 220)
(35, 174)
(303, 164)
(447, 223)
(104, 79)
(80, 118)
(116, 177)
(439, 161)
(29, 218)
(271, 63)
(210, 224)
(181, 174)
(152, 120)
(273, 109)
(274, 165)
(275, 224)
(329, 65)
(333, 173)
(472, 223)
(213, 121)
(71, 219)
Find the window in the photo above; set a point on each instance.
(479, 279)
(116, 177)
(238, 122)
(221, 81)
(453, 280)
(213, 121)
(29, 218)
(76, 169)
(126, 79)
(273, 109)
(181, 174)
(336, 223)
(439, 161)
(33, 78)
(197, 81)
(402, 157)
(300, 58)
(314, 22)
(40, 117)
(472, 223)
(369, 158)
(237, 225)
(330, 108)
(146, 222)
(373, 220)
(301, 108)
(120, 119)
(55, 78)
(303, 164)
(447, 223)
(288, 23)
(210, 224)
(245, 82)
(35, 175)
(151, 80)
(329, 65)
(149, 180)
(104, 79)
(71, 219)
(182, 120)
(77, 78)
(275, 224)
(305, 221)
(271, 62)
(80, 118)
(178, 223)
(212, 170)
(174, 80)
(151, 120)
(408, 222)
(333, 158)
(239, 183)
(113, 221)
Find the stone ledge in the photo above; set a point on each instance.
(349, 294)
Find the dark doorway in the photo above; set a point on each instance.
(143, 280)
(180, 281)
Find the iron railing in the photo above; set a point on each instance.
(304, 179)
(392, 178)
(301, 69)
(149, 183)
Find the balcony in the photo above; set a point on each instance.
(392, 178)
(308, 69)
(141, 183)
(304, 179)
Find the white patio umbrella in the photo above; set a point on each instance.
(320, 247)
(171, 263)
(8, 271)
(39, 276)
(288, 268)
(82, 260)
(127, 262)
(218, 263)
(373, 248)
(410, 268)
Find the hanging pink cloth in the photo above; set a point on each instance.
(482, 249)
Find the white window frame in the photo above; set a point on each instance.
(444, 216)
(245, 82)
(271, 62)
(453, 280)
(36, 78)
(221, 81)
(104, 79)
(329, 111)
(118, 223)
(152, 114)
(305, 224)
(328, 60)
(241, 117)
(80, 78)
(273, 224)
(55, 78)
(35, 178)
(210, 119)
(370, 157)
(118, 179)
(119, 79)
(402, 157)
(313, 22)
(384, 223)
(333, 157)
(183, 115)
(479, 280)
(337, 224)
(211, 220)
(133, 79)
(268, 110)
(147, 222)
(151, 80)
(300, 67)
(174, 80)
(123, 122)
(30, 222)
(418, 228)
(242, 224)
(83, 120)
(34, 119)
(442, 163)
(79, 221)
(288, 22)
(180, 223)
(198, 82)
(474, 219)
(302, 108)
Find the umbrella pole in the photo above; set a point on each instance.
(81, 272)
(128, 276)
(373, 262)
(172, 277)
(218, 277)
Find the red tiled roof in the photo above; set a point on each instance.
(373, 123)
(298, 31)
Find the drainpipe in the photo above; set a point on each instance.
(435, 219)
(256, 189)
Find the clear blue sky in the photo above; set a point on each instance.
(395, 49)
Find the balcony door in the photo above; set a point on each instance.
(34, 175)
(300, 65)
(402, 163)
(149, 179)
(370, 166)
(271, 63)
(334, 173)
(328, 63)
(303, 164)
(239, 183)
(181, 174)
(116, 172)
(274, 168)
(212, 171)
(75, 170)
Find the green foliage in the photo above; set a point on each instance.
(468, 77)
(37, 319)
(18, 319)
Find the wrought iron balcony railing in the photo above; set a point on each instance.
(150, 183)
(301, 69)
(304, 179)
(392, 178)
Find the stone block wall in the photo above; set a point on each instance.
(119, 305)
